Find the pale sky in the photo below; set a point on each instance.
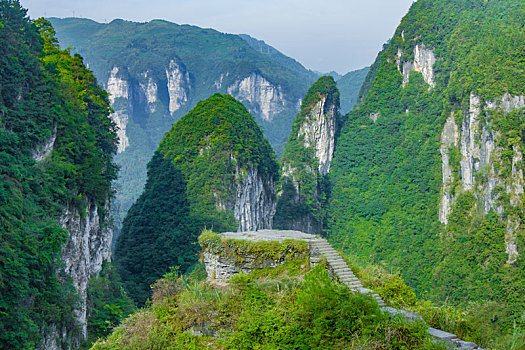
(340, 35)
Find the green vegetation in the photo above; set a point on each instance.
(157, 232)
(304, 190)
(193, 171)
(386, 175)
(108, 304)
(304, 312)
(349, 86)
(213, 61)
(44, 91)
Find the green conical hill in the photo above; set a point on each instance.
(213, 169)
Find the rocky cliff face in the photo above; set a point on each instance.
(261, 97)
(318, 132)
(479, 165)
(307, 159)
(88, 246)
(251, 198)
(178, 85)
(423, 63)
(119, 90)
(254, 200)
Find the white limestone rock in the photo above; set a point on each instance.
(178, 85)
(449, 137)
(423, 63)
(319, 130)
(479, 151)
(263, 98)
(43, 150)
(88, 246)
(251, 198)
(150, 90)
(119, 88)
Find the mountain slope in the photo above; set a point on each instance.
(56, 168)
(212, 169)
(427, 176)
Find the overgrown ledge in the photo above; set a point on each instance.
(230, 253)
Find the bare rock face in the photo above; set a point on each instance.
(89, 245)
(251, 198)
(150, 90)
(178, 85)
(319, 130)
(43, 150)
(449, 137)
(423, 63)
(479, 151)
(119, 91)
(262, 98)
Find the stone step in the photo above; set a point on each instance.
(353, 285)
(327, 252)
(349, 279)
(331, 255)
(347, 273)
(337, 262)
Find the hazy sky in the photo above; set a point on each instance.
(323, 35)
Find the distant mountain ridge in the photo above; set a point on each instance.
(157, 71)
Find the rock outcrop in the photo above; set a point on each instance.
(178, 85)
(479, 152)
(119, 94)
(254, 201)
(88, 246)
(423, 63)
(150, 90)
(318, 132)
(261, 97)
(307, 158)
(44, 149)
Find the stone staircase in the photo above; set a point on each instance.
(338, 268)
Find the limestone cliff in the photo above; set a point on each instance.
(479, 169)
(423, 63)
(178, 85)
(119, 94)
(88, 246)
(220, 148)
(307, 158)
(252, 199)
(261, 97)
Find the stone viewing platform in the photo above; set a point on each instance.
(229, 253)
(270, 235)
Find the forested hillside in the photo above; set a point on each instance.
(212, 169)
(428, 174)
(56, 168)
